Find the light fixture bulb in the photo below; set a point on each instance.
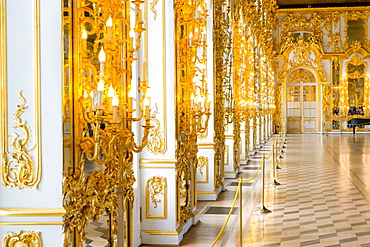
(146, 101)
(100, 86)
(84, 34)
(102, 57)
(111, 92)
(115, 100)
(109, 22)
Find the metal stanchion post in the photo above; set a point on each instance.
(274, 166)
(263, 210)
(276, 156)
(281, 148)
(241, 211)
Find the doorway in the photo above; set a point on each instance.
(301, 102)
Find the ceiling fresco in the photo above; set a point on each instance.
(321, 3)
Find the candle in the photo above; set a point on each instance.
(190, 38)
(146, 104)
(111, 94)
(146, 112)
(145, 71)
(102, 59)
(115, 103)
(109, 25)
(92, 96)
(100, 90)
(196, 33)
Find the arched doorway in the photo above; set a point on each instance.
(301, 102)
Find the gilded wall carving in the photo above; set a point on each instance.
(152, 8)
(156, 142)
(101, 40)
(202, 163)
(156, 187)
(222, 83)
(292, 29)
(19, 167)
(19, 171)
(192, 104)
(22, 239)
(346, 29)
(156, 197)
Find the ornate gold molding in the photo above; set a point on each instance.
(152, 5)
(156, 187)
(292, 24)
(203, 135)
(26, 212)
(156, 142)
(319, 10)
(23, 238)
(335, 42)
(354, 15)
(156, 192)
(202, 163)
(22, 174)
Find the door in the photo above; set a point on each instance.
(301, 102)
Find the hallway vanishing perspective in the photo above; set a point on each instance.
(323, 199)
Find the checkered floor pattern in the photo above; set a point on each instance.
(96, 233)
(316, 204)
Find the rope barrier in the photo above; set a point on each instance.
(228, 216)
(278, 140)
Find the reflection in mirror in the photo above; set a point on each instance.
(356, 30)
(66, 90)
(356, 73)
(355, 96)
(86, 199)
(335, 87)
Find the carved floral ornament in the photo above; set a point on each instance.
(156, 186)
(152, 8)
(19, 171)
(22, 239)
(292, 24)
(156, 143)
(202, 163)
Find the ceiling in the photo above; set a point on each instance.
(321, 3)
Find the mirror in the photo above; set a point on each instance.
(356, 30)
(356, 74)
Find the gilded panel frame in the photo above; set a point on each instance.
(156, 185)
(8, 179)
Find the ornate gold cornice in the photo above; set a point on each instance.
(320, 10)
(31, 212)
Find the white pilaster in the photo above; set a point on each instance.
(33, 64)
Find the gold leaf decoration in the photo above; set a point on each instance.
(202, 163)
(22, 239)
(156, 186)
(88, 197)
(152, 5)
(19, 171)
(155, 142)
